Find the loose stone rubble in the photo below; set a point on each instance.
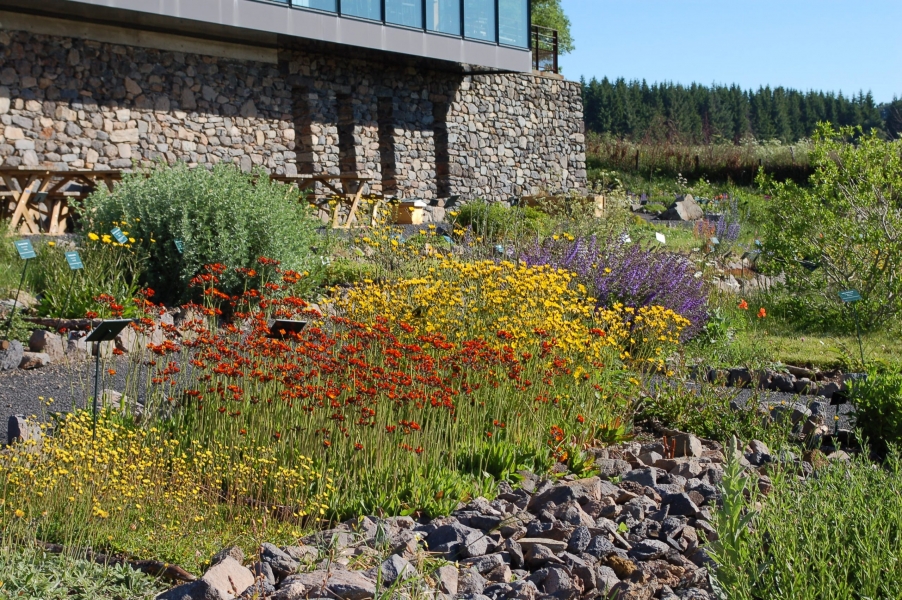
(638, 530)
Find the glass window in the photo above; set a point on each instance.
(443, 16)
(368, 9)
(404, 12)
(513, 22)
(479, 19)
(330, 5)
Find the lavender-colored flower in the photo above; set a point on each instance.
(617, 271)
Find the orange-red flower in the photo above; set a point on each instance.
(743, 304)
(762, 313)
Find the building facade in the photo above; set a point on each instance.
(428, 98)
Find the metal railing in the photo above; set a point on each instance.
(544, 43)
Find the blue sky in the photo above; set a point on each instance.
(831, 45)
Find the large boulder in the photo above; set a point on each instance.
(49, 343)
(685, 208)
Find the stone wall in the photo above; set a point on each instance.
(72, 103)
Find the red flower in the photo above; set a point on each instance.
(762, 313)
(743, 305)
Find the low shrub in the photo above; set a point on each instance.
(834, 535)
(28, 572)
(220, 216)
(494, 221)
(878, 405)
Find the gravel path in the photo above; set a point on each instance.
(70, 383)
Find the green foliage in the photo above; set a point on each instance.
(878, 402)
(502, 459)
(846, 226)
(615, 431)
(733, 520)
(343, 271)
(494, 221)
(34, 575)
(836, 535)
(109, 269)
(10, 265)
(221, 215)
(550, 13)
(705, 411)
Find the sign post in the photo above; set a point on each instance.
(105, 332)
(851, 297)
(26, 253)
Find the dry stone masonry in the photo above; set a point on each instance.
(71, 103)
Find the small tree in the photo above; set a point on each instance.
(844, 230)
(549, 13)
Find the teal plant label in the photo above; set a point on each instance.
(118, 235)
(714, 241)
(74, 260)
(180, 246)
(25, 249)
(850, 296)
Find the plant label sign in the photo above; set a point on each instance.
(660, 237)
(715, 241)
(625, 238)
(118, 235)
(25, 249)
(180, 246)
(850, 296)
(74, 260)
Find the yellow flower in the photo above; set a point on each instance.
(131, 240)
(51, 244)
(93, 236)
(20, 513)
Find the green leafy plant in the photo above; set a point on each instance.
(734, 518)
(108, 269)
(495, 221)
(219, 216)
(878, 404)
(843, 543)
(613, 432)
(843, 231)
(705, 411)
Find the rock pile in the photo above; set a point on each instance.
(642, 537)
(794, 381)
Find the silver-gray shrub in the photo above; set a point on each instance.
(220, 215)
